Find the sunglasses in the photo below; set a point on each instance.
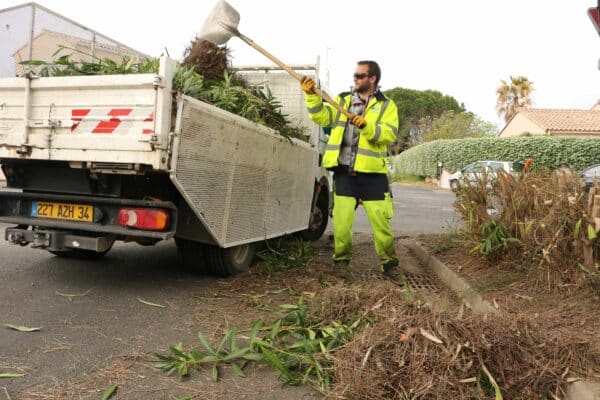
(360, 76)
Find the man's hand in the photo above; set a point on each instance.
(307, 85)
(358, 121)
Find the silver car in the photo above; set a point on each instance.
(475, 171)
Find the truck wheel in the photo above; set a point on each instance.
(318, 219)
(193, 256)
(80, 253)
(230, 261)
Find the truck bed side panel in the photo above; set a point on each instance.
(254, 183)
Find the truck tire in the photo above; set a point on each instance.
(193, 256)
(230, 261)
(80, 253)
(318, 219)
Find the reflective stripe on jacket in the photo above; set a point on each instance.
(381, 130)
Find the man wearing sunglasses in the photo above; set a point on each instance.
(357, 154)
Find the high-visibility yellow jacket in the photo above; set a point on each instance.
(382, 128)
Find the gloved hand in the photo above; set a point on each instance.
(358, 121)
(307, 85)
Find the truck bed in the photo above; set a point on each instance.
(242, 181)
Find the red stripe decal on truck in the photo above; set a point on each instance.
(78, 113)
(149, 119)
(112, 124)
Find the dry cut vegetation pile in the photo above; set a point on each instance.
(409, 352)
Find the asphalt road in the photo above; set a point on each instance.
(106, 318)
(417, 209)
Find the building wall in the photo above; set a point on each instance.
(519, 125)
(444, 181)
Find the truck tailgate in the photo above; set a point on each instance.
(111, 118)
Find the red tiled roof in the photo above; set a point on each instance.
(565, 121)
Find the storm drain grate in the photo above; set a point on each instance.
(370, 276)
(421, 282)
(415, 282)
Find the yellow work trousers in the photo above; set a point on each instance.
(379, 212)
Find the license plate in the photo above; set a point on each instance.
(72, 212)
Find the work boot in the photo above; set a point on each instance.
(341, 269)
(390, 268)
(339, 264)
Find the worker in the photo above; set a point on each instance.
(356, 152)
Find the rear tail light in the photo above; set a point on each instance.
(151, 219)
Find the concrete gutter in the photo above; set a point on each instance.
(459, 286)
(580, 390)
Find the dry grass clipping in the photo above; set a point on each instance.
(118, 371)
(344, 303)
(412, 353)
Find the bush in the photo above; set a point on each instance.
(546, 152)
(541, 219)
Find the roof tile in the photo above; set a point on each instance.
(564, 121)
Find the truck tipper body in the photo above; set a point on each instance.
(90, 160)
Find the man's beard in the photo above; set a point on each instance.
(361, 89)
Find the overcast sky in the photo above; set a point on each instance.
(462, 48)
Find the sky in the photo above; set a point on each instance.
(462, 48)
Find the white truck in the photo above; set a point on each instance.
(90, 160)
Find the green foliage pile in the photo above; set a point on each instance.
(294, 346)
(218, 87)
(546, 152)
(283, 255)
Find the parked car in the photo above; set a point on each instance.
(475, 171)
(590, 174)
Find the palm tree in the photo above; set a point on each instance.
(514, 96)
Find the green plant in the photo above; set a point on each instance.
(547, 153)
(283, 254)
(228, 92)
(495, 239)
(298, 350)
(65, 65)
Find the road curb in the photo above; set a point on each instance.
(459, 286)
(581, 390)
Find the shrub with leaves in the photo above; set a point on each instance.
(547, 152)
(495, 238)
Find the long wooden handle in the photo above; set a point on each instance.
(293, 73)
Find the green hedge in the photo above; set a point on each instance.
(546, 151)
